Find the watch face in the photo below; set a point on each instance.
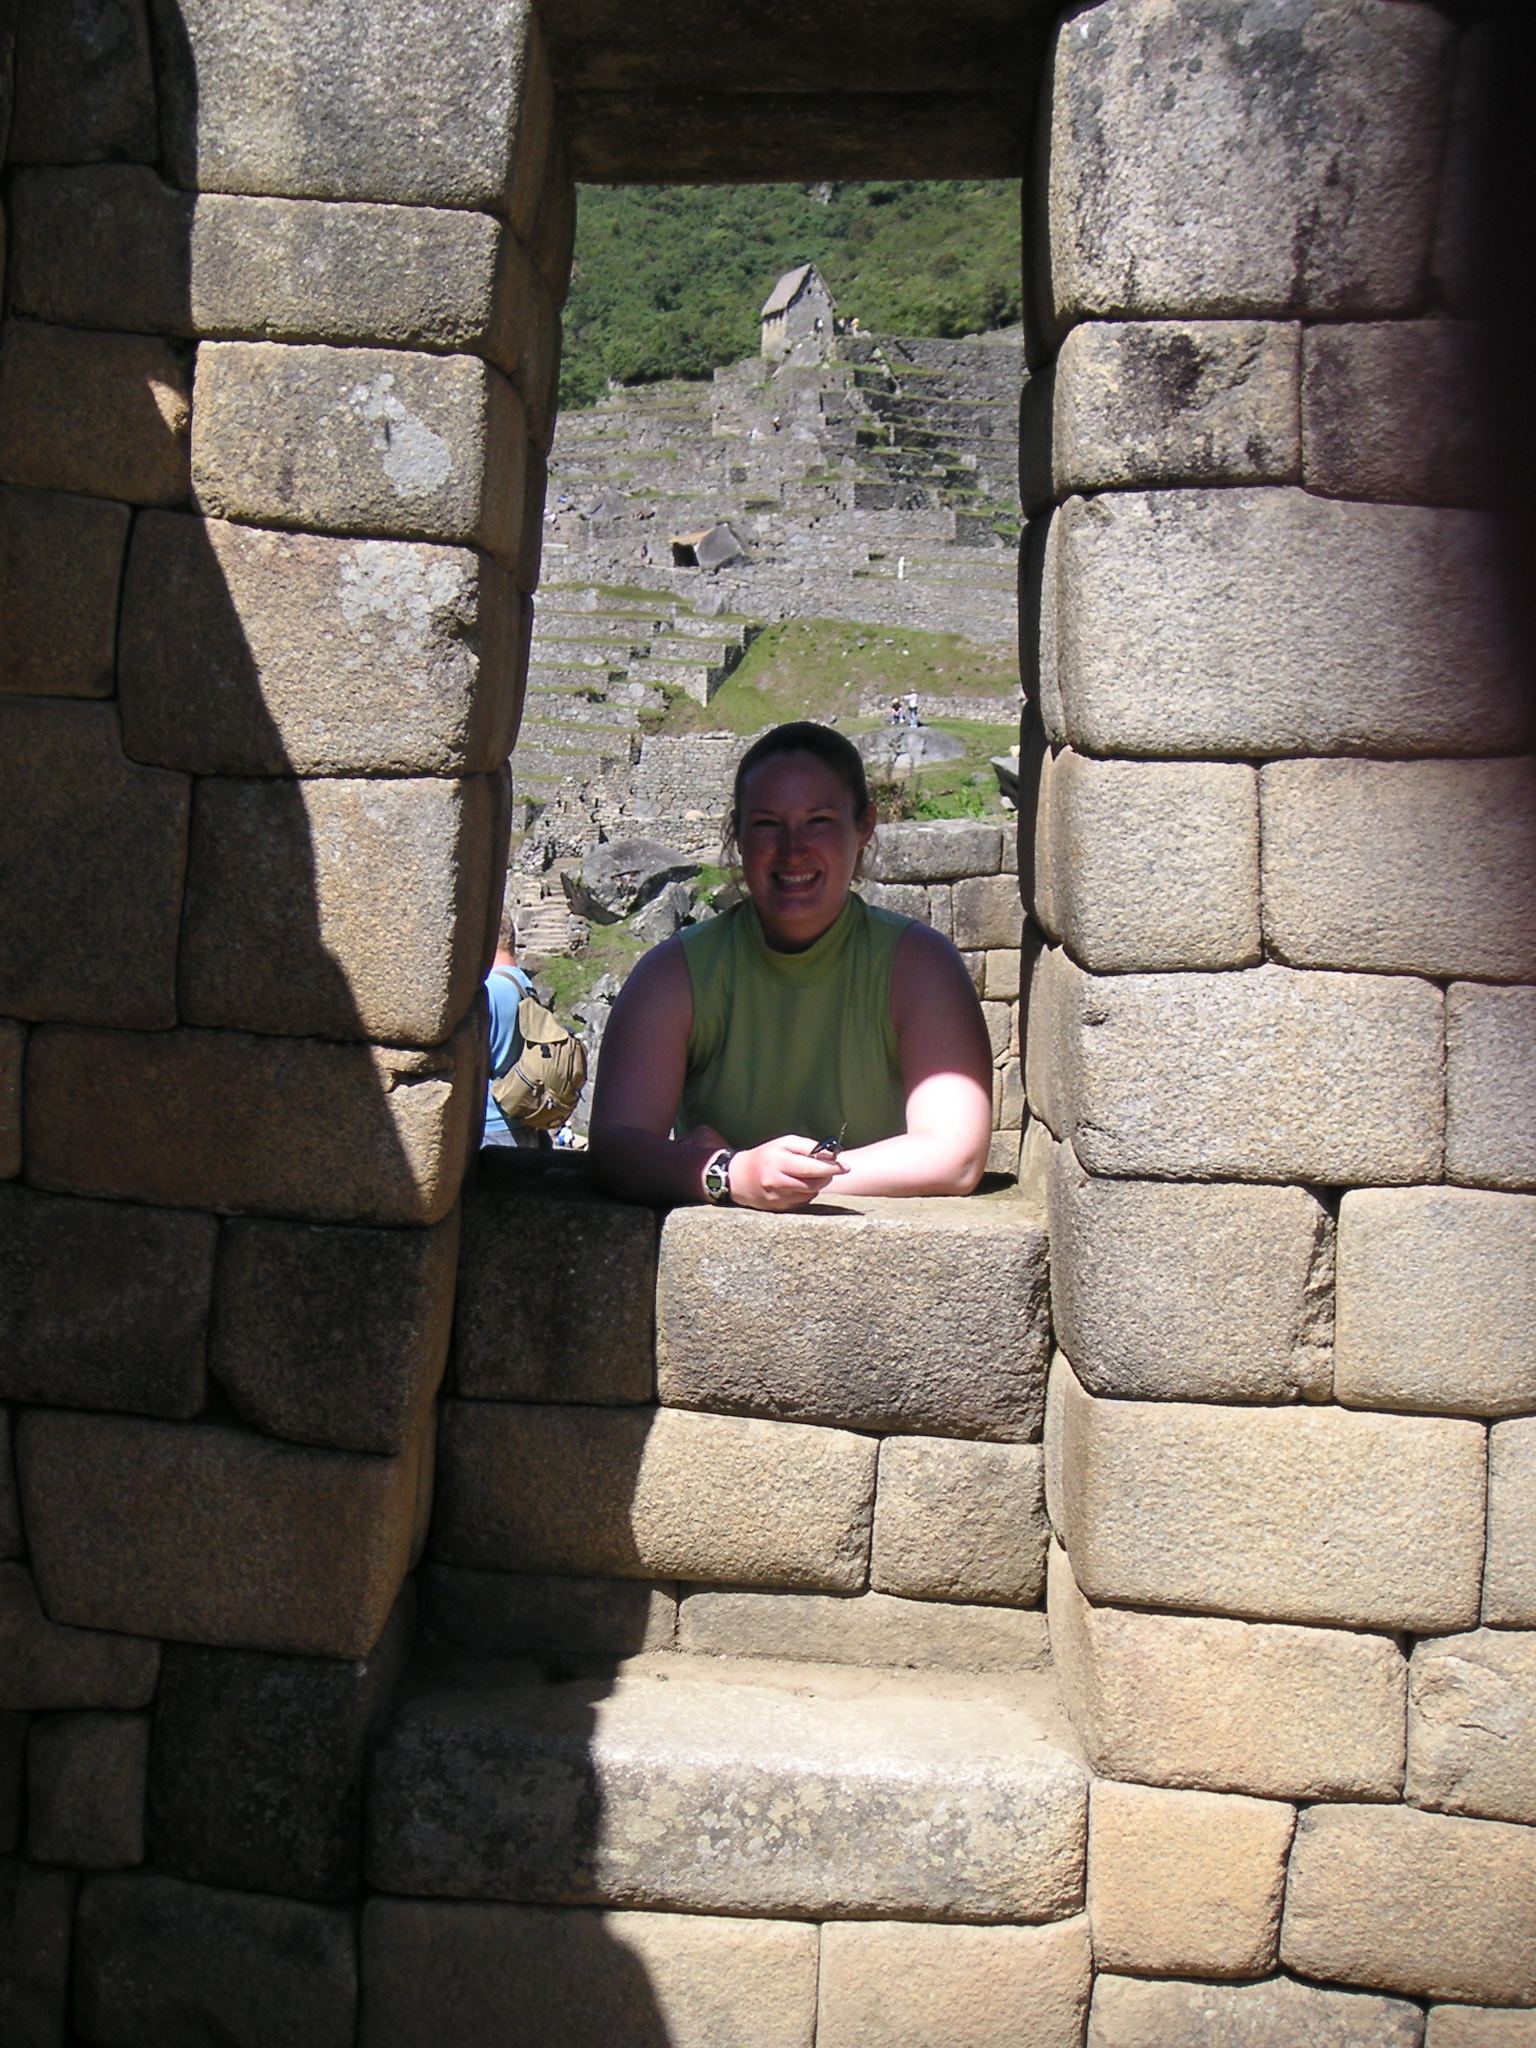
(717, 1177)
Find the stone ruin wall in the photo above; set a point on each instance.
(264, 610)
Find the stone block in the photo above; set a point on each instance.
(827, 1801)
(1405, 867)
(429, 109)
(1437, 1301)
(408, 277)
(1162, 402)
(926, 1315)
(642, 1493)
(369, 441)
(1184, 1292)
(885, 1985)
(102, 414)
(945, 850)
(1509, 1579)
(36, 1910)
(246, 652)
(1155, 863)
(102, 245)
(61, 562)
(959, 1521)
(1389, 412)
(85, 1790)
(1472, 1725)
(1273, 622)
(1490, 1086)
(557, 1292)
(1268, 1075)
(336, 908)
(941, 909)
(85, 84)
(1002, 977)
(13, 1752)
(12, 1540)
(1229, 1706)
(1479, 2026)
(906, 899)
(1003, 1149)
(652, 1980)
(13, 1041)
(1307, 1514)
(134, 1337)
(158, 1961)
(554, 234)
(872, 1629)
(256, 1768)
(205, 1534)
(333, 1336)
(102, 842)
(1459, 269)
(46, 1665)
(988, 913)
(1424, 1904)
(1222, 195)
(517, 1614)
(1185, 1884)
(223, 1120)
(1133, 2012)
(998, 1018)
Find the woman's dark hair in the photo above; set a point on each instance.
(803, 736)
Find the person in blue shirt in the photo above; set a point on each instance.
(505, 987)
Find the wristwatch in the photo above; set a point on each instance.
(717, 1178)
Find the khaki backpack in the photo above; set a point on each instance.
(540, 1088)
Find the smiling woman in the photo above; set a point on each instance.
(743, 1055)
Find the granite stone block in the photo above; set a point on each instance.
(1194, 160)
(1389, 412)
(12, 1540)
(106, 415)
(84, 85)
(518, 1614)
(642, 1493)
(885, 1985)
(247, 652)
(256, 1766)
(1188, 1292)
(1423, 1904)
(1273, 622)
(134, 1338)
(225, 1120)
(103, 845)
(379, 442)
(1437, 1301)
(1490, 1086)
(48, 1665)
(1138, 2012)
(61, 561)
(1509, 1577)
(557, 1291)
(1229, 1706)
(333, 1336)
(206, 1534)
(85, 1790)
(158, 1961)
(583, 1978)
(1402, 867)
(959, 1521)
(917, 1316)
(1472, 1725)
(1303, 1514)
(36, 1911)
(870, 1629)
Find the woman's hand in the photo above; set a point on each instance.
(786, 1173)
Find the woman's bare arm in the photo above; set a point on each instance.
(946, 1069)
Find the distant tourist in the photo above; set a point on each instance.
(911, 704)
(802, 1039)
(898, 715)
(537, 1066)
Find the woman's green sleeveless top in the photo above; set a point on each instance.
(793, 1043)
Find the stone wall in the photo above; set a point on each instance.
(1281, 1026)
(275, 399)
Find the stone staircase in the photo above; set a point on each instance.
(739, 1630)
(597, 661)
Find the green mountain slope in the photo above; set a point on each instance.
(668, 279)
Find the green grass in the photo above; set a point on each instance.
(610, 949)
(668, 279)
(820, 668)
